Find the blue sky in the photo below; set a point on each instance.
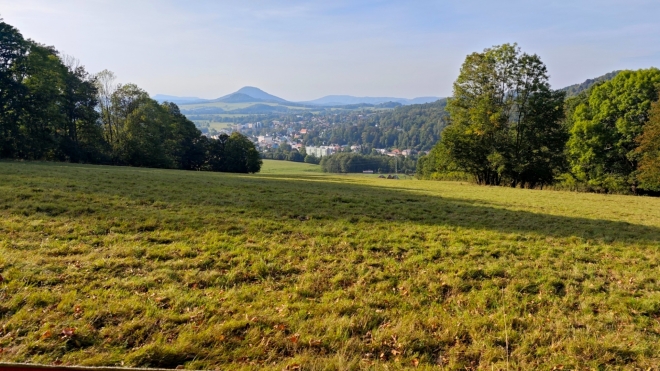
(302, 50)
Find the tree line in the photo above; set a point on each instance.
(287, 153)
(52, 109)
(506, 126)
(346, 162)
(414, 127)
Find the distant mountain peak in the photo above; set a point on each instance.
(238, 98)
(255, 93)
(250, 89)
(252, 94)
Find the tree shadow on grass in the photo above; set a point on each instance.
(350, 201)
(317, 197)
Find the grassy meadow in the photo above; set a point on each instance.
(299, 270)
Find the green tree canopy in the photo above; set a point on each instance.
(602, 146)
(52, 109)
(13, 56)
(505, 121)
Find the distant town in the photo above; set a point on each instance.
(294, 139)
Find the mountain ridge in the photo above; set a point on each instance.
(575, 89)
(334, 100)
(251, 94)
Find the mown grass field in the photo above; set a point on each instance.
(295, 269)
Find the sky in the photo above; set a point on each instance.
(303, 50)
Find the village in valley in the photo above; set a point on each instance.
(303, 136)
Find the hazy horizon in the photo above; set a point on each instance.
(302, 51)
(301, 101)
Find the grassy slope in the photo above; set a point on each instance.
(288, 167)
(287, 267)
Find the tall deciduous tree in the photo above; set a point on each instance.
(82, 139)
(106, 87)
(13, 56)
(505, 120)
(242, 155)
(52, 109)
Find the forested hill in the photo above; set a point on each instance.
(576, 89)
(416, 126)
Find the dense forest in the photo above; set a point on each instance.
(52, 109)
(357, 163)
(506, 126)
(415, 127)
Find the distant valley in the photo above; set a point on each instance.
(251, 100)
(254, 101)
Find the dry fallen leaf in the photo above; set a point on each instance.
(294, 338)
(415, 362)
(280, 327)
(77, 309)
(68, 332)
(293, 367)
(46, 334)
(314, 343)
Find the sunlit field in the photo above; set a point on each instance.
(295, 269)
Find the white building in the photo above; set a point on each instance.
(320, 151)
(265, 139)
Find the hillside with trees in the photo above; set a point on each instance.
(507, 127)
(607, 127)
(576, 89)
(415, 127)
(52, 109)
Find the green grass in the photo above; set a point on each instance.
(160, 268)
(288, 167)
(220, 125)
